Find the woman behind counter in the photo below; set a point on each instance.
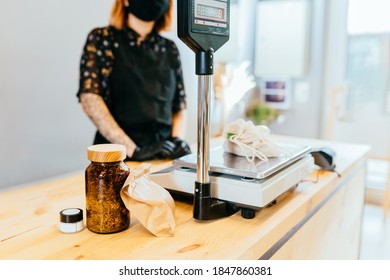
(131, 82)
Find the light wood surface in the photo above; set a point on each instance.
(29, 221)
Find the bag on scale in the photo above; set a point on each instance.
(243, 138)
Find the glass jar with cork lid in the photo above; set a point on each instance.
(104, 178)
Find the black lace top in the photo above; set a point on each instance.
(97, 62)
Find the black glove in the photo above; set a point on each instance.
(161, 150)
(181, 148)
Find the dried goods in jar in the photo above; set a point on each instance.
(104, 178)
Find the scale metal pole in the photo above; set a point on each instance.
(203, 25)
(205, 206)
(203, 149)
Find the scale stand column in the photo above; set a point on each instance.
(205, 207)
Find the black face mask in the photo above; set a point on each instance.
(148, 10)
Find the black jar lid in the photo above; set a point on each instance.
(71, 215)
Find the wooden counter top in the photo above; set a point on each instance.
(29, 220)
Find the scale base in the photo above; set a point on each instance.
(246, 193)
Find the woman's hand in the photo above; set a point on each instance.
(169, 149)
(163, 150)
(181, 148)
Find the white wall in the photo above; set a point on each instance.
(335, 55)
(303, 117)
(43, 130)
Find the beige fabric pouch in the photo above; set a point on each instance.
(151, 204)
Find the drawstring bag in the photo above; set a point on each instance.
(243, 138)
(150, 203)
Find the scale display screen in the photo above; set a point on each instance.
(203, 25)
(210, 12)
(210, 16)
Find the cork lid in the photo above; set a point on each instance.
(106, 153)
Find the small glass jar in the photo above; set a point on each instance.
(104, 178)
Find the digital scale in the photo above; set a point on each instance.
(242, 184)
(224, 182)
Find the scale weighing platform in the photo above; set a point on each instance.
(244, 185)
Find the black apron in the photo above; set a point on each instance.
(142, 88)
